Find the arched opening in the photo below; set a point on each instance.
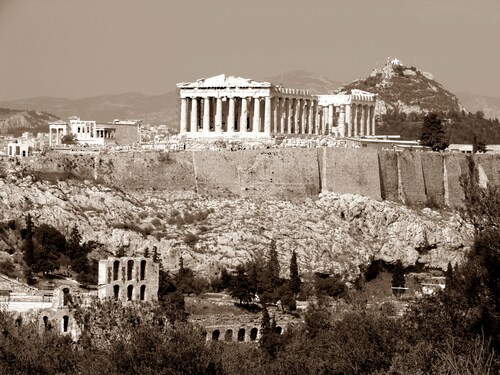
(241, 334)
(253, 334)
(143, 269)
(143, 292)
(215, 335)
(65, 322)
(130, 267)
(130, 292)
(278, 330)
(116, 292)
(46, 323)
(66, 296)
(229, 335)
(116, 268)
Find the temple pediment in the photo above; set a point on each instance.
(222, 80)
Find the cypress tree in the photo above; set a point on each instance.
(29, 248)
(295, 282)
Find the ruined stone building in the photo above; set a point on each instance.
(128, 279)
(235, 107)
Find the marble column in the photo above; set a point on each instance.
(372, 119)
(267, 115)
(194, 114)
(355, 111)
(244, 115)
(310, 120)
(275, 110)
(330, 119)
(183, 116)
(341, 122)
(289, 115)
(282, 115)
(296, 119)
(362, 126)
(206, 115)
(256, 115)
(218, 116)
(230, 116)
(348, 120)
(303, 117)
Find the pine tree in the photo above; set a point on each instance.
(266, 321)
(295, 282)
(73, 247)
(240, 287)
(433, 134)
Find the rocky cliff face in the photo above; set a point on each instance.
(406, 89)
(333, 233)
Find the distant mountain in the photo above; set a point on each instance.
(406, 89)
(155, 109)
(15, 122)
(302, 79)
(489, 105)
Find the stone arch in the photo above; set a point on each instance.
(215, 335)
(46, 322)
(116, 292)
(241, 334)
(65, 323)
(130, 267)
(130, 293)
(253, 333)
(142, 294)
(278, 330)
(143, 269)
(116, 269)
(228, 336)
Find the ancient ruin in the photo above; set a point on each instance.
(128, 279)
(235, 107)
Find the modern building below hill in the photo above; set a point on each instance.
(235, 107)
(93, 133)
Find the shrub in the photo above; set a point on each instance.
(190, 239)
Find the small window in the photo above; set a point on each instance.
(116, 292)
(241, 334)
(215, 335)
(130, 292)
(143, 269)
(253, 334)
(143, 292)
(65, 323)
(130, 267)
(116, 268)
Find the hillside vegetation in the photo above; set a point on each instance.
(18, 121)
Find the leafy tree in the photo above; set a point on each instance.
(295, 282)
(68, 139)
(433, 134)
(166, 284)
(184, 280)
(240, 287)
(49, 245)
(329, 285)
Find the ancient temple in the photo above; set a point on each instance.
(227, 106)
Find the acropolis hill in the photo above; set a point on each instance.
(136, 201)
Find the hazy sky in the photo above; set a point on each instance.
(79, 48)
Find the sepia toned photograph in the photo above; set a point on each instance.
(249, 187)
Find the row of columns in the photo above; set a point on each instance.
(280, 115)
(359, 120)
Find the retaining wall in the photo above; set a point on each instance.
(413, 178)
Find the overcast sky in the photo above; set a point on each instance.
(80, 48)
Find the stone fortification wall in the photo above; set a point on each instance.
(413, 178)
(389, 180)
(257, 173)
(350, 171)
(151, 170)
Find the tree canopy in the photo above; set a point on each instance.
(433, 134)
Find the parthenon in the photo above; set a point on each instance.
(230, 106)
